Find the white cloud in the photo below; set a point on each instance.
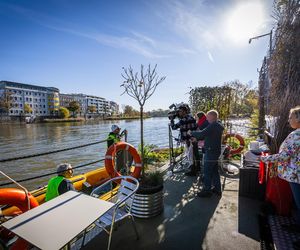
(198, 30)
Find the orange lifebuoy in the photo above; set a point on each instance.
(17, 197)
(111, 153)
(234, 151)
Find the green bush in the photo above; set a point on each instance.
(64, 112)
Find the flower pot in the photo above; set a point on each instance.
(148, 202)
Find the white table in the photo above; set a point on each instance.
(55, 223)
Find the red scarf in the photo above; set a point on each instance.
(201, 120)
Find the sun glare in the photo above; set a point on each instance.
(244, 21)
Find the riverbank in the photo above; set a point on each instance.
(64, 120)
(124, 118)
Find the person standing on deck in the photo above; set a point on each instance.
(186, 123)
(288, 159)
(202, 123)
(60, 184)
(114, 136)
(212, 136)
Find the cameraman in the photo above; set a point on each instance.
(186, 123)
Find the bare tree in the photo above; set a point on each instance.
(141, 86)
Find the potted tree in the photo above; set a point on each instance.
(141, 86)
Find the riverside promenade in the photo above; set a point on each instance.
(192, 223)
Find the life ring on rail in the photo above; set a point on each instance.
(17, 197)
(111, 153)
(234, 151)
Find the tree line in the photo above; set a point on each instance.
(232, 99)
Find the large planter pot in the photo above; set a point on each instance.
(148, 202)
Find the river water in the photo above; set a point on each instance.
(26, 139)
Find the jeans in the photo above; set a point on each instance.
(211, 171)
(296, 193)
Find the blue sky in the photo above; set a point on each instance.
(81, 46)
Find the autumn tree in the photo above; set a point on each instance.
(6, 101)
(92, 109)
(27, 109)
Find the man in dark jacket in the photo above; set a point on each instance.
(186, 123)
(212, 136)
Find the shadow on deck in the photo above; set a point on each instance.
(189, 222)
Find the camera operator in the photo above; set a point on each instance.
(186, 123)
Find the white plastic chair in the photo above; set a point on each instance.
(123, 200)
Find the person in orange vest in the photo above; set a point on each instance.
(60, 183)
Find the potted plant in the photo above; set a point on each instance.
(141, 86)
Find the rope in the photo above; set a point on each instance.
(52, 173)
(50, 152)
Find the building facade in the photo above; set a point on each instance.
(65, 99)
(29, 99)
(114, 107)
(99, 105)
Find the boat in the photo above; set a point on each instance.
(82, 182)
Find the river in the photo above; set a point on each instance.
(26, 139)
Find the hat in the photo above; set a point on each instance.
(114, 127)
(63, 167)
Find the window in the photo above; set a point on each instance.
(16, 98)
(21, 105)
(20, 98)
(26, 99)
(30, 99)
(44, 106)
(11, 111)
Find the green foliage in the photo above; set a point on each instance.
(154, 155)
(63, 112)
(152, 179)
(230, 98)
(74, 107)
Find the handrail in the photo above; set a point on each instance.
(52, 173)
(19, 185)
(50, 152)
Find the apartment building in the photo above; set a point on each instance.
(43, 101)
(65, 99)
(101, 104)
(114, 107)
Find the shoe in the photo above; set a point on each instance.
(190, 174)
(204, 194)
(216, 192)
(292, 228)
